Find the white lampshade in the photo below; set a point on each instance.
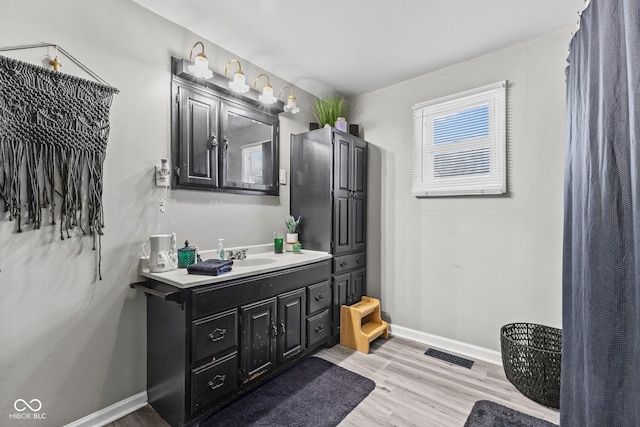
(238, 83)
(201, 67)
(267, 95)
(291, 106)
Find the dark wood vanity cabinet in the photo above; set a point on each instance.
(329, 192)
(209, 344)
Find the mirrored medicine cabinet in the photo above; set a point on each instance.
(222, 141)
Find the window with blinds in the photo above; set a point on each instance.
(459, 143)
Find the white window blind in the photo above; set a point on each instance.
(459, 143)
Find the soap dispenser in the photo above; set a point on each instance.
(220, 248)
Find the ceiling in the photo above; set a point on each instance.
(357, 46)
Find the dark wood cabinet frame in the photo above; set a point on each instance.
(199, 134)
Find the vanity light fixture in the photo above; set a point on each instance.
(267, 91)
(201, 63)
(238, 84)
(291, 106)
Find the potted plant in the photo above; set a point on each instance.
(292, 225)
(328, 110)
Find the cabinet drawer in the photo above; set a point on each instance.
(349, 262)
(215, 298)
(214, 335)
(318, 327)
(213, 381)
(318, 297)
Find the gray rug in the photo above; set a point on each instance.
(313, 393)
(491, 414)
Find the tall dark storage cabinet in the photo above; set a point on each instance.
(329, 192)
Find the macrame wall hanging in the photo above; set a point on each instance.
(53, 138)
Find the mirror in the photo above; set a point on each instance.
(250, 141)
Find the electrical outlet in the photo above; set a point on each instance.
(163, 178)
(283, 177)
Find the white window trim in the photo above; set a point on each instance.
(425, 183)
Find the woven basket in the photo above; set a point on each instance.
(531, 356)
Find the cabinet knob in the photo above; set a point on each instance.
(212, 142)
(226, 143)
(274, 331)
(283, 329)
(217, 381)
(319, 328)
(343, 264)
(319, 297)
(217, 335)
(359, 260)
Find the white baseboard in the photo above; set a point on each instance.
(113, 412)
(469, 350)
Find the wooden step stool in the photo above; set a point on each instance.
(361, 323)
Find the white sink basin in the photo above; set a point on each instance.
(252, 262)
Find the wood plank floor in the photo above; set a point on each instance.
(412, 389)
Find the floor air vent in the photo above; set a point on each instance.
(456, 360)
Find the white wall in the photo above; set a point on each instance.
(75, 343)
(461, 267)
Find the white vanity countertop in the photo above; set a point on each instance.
(181, 279)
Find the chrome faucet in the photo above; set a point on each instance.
(237, 254)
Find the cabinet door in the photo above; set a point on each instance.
(357, 286)
(359, 167)
(291, 317)
(198, 135)
(350, 176)
(340, 284)
(259, 333)
(342, 204)
(358, 197)
(343, 163)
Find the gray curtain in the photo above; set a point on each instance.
(600, 382)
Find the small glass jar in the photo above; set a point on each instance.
(278, 244)
(341, 124)
(186, 255)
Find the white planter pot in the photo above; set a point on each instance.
(292, 238)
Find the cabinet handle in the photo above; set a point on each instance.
(319, 297)
(283, 329)
(343, 264)
(217, 335)
(274, 331)
(211, 142)
(226, 143)
(217, 381)
(359, 260)
(319, 328)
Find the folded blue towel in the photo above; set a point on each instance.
(210, 267)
